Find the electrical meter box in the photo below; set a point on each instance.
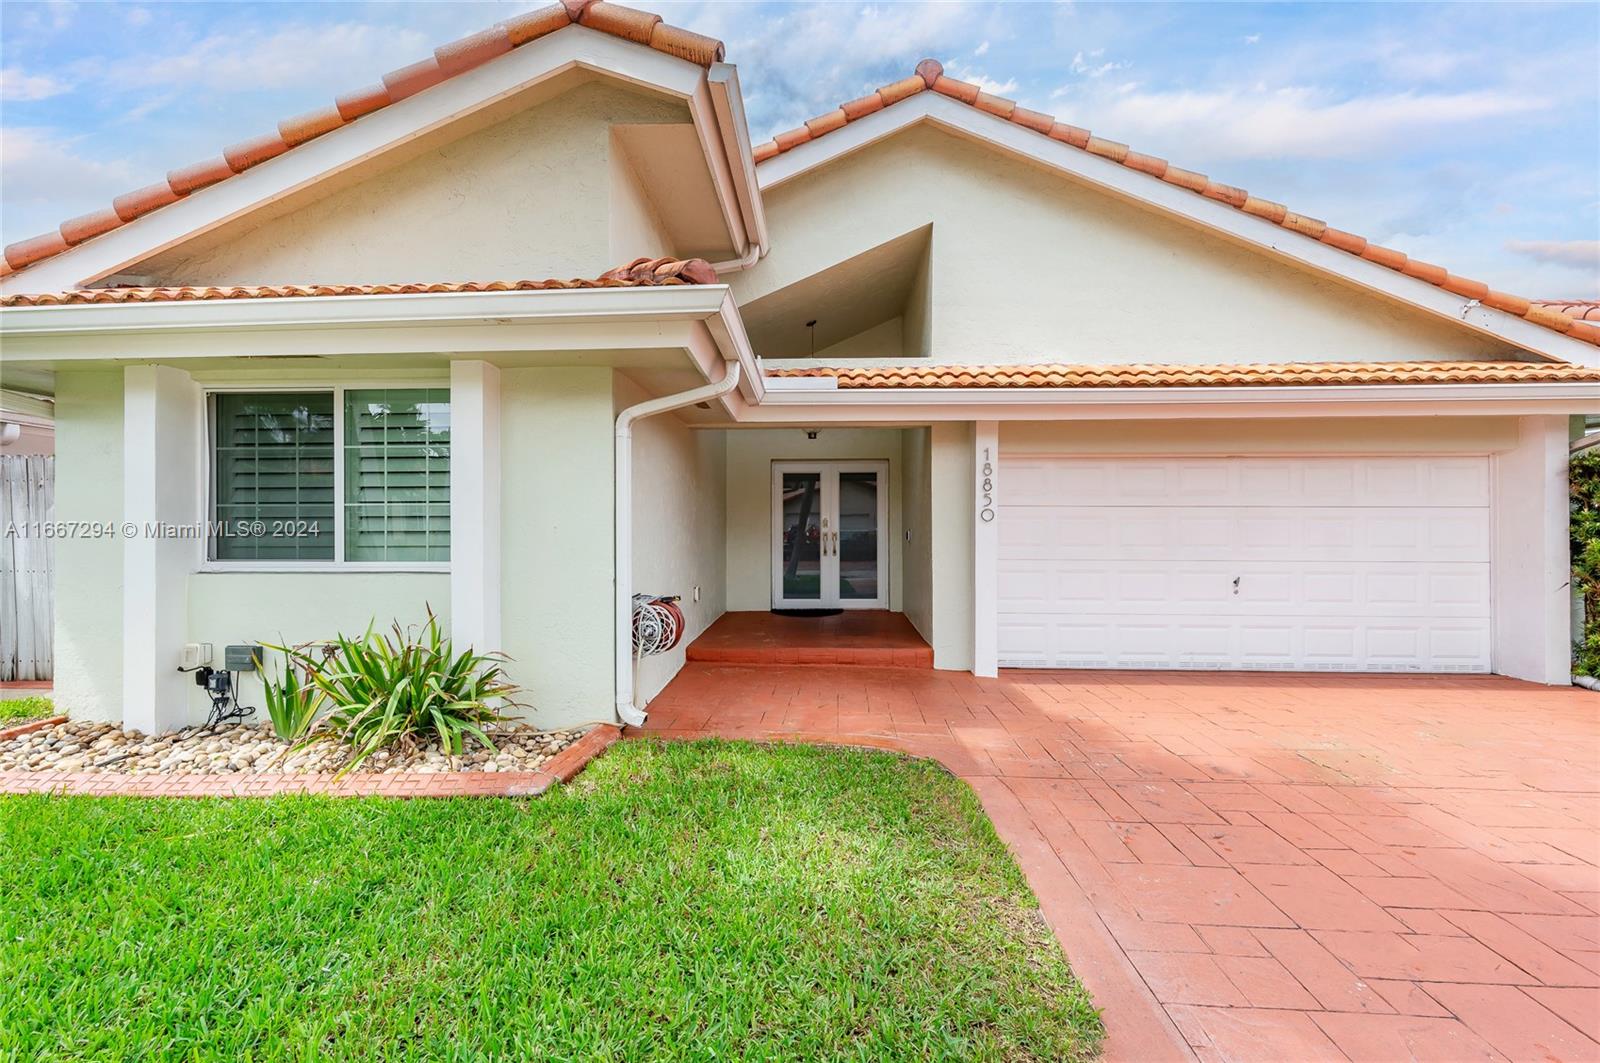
(246, 658)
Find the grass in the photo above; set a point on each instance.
(21, 710)
(701, 900)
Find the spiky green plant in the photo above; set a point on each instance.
(293, 699)
(404, 688)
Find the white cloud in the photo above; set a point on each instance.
(1253, 38)
(46, 179)
(1297, 122)
(1579, 254)
(1089, 65)
(17, 85)
(984, 81)
(253, 61)
(981, 49)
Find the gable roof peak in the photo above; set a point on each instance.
(929, 76)
(447, 61)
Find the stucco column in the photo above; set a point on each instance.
(985, 547)
(475, 506)
(952, 542)
(1532, 569)
(163, 435)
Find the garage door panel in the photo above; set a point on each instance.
(1136, 588)
(1326, 482)
(1295, 644)
(1395, 533)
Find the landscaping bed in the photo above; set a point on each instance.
(243, 749)
(702, 900)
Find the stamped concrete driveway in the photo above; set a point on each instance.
(1266, 867)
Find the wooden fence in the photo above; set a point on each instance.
(27, 567)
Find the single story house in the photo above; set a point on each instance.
(1060, 403)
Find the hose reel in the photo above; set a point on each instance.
(657, 624)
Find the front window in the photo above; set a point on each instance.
(280, 460)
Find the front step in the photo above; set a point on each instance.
(864, 639)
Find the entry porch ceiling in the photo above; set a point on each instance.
(845, 300)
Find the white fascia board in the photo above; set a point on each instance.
(1142, 188)
(728, 98)
(909, 405)
(372, 135)
(585, 318)
(727, 330)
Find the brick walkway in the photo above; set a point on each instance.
(1262, 867)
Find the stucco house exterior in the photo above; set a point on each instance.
(1061, 404)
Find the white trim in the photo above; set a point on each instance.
(726, 96)
(985, 548)
(573, 47)
(964, 120)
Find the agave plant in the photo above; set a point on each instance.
(404, 688)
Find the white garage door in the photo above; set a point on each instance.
(1338, 564)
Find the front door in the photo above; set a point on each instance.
(830, 543)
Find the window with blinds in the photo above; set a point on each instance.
(352, 474)
(273, 477)
(397, 475)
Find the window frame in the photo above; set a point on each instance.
(337, 563)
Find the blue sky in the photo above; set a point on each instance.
(1463, 134)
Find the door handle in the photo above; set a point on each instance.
(835, 544)
(1236, 584)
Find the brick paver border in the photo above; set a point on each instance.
(8, 733)
(561, 768)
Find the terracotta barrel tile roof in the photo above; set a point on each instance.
(1279, 374)
(640, 273)
(1579, 310)
(446, 62)
(930, 76)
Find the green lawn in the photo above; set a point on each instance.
(678, 901)
(20, 710)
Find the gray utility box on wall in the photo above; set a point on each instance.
(245, 658)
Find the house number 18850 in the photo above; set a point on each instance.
(986, 488)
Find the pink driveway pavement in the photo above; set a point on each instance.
(1270, 867)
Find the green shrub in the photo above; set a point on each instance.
(386, 690)
(1584, 481)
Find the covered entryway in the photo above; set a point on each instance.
(1371, 563)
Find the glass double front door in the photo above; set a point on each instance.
(830, 545)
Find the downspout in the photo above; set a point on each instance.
(627, 712)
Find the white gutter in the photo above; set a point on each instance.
(627, 712)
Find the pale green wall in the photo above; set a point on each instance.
(917, 566)
(530, 197)
(556, 540)
(751, 453)
(88, 589)
(1032, 266)
(952, 508)
(679, 526)
(286, 608)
